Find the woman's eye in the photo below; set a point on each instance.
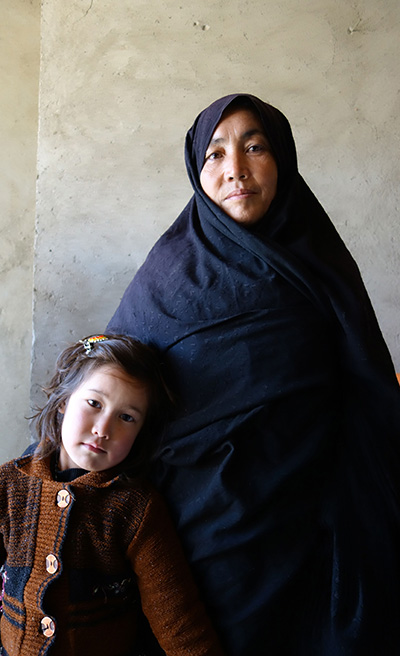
(213, 156)
(255, 148)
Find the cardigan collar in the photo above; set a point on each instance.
(41, 468)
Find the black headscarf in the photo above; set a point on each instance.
(282, 468)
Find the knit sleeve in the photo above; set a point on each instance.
(3, 553)
(168, 593)
(4, 511)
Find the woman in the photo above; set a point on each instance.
(282, 469)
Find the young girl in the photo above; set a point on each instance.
(84, 540)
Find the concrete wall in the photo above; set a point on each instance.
(19, 87)
(122, 81)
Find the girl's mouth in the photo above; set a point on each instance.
(94, 448)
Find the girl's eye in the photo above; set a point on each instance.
(93, 403)
(127, 418)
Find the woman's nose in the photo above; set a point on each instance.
(235, 167)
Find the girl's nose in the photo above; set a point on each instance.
(102, 427)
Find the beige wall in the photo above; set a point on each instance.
(120, 84)
(19, 86)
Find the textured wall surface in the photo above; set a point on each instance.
(121, 82)
(19, 86)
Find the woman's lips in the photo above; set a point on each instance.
(239, 193)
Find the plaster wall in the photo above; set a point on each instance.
(122, 81)
(19, 86)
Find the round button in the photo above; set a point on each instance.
(63, 498)
(51, 564)
(48, 627)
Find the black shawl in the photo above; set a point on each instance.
(282, 468)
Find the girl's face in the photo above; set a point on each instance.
(240, 173)
(102, 419)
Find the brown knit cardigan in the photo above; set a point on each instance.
(77, 557)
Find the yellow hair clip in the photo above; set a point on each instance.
(90, 341)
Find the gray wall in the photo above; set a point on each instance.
(120, 84)
(19, 88)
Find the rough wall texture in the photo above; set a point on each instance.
(19, 84)
(122, 81)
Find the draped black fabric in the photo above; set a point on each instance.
(282, 468)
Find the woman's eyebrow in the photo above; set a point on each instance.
(249, 133)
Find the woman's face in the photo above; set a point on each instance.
(240, 173)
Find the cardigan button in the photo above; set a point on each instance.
(51, 564)
(48, 627)
(63, 498)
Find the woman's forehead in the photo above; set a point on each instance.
(242, 119)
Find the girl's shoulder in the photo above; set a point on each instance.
(144, 496)
(138, 488)
(6, 470)
(12, 467)
(14, 477)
